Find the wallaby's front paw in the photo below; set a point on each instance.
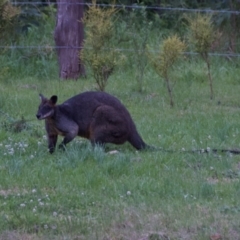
(51, 150)
(62, 147)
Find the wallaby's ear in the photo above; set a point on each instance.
(53, 99)
(41, 97)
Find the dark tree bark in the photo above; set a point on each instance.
(69, 33)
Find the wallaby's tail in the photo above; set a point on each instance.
(137, 141)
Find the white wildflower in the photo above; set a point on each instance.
(22, 205)
(34, 190)
(55, 214)
(129, 193)
(11, 151)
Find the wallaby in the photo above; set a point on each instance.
(97, 116)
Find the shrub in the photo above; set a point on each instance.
(201, 36)
(98, 52)
(170, 51)
(8, 14)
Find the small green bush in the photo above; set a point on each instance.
(8, 14)
(170, 51)
(201, 37)
(99, 52)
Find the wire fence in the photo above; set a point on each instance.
(134, 6)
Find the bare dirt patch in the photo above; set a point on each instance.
(7, 192)
(13, 235)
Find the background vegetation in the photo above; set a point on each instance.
(87, 193)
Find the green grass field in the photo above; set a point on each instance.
(87, 193)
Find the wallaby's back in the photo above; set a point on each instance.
(82, 107)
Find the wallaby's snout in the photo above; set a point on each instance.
(38, 116)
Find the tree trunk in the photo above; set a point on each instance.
(69, 33)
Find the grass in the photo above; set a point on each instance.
(86, 193)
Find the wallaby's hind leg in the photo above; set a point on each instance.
(98, 137)
(108, 126)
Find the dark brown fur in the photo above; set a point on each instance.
(97, 116)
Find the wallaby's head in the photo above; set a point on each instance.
(46, 107)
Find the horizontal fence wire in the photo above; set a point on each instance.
(134, 6)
